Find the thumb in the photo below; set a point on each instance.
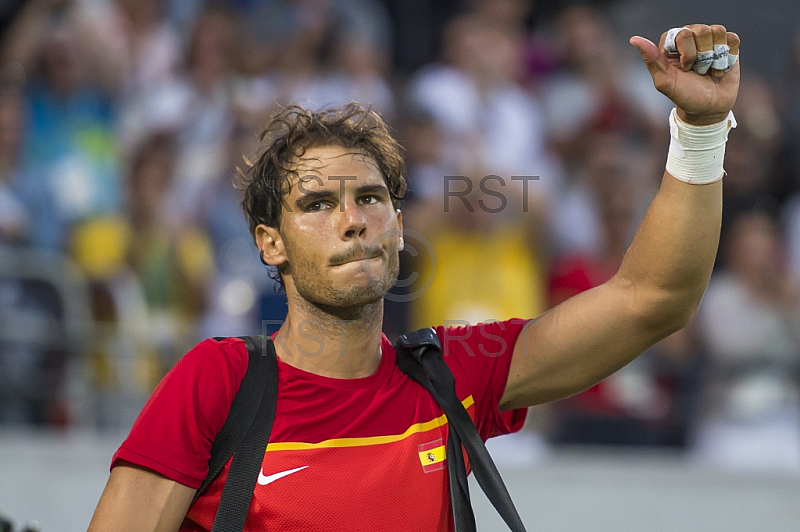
(650, 53)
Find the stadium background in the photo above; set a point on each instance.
(121, 242)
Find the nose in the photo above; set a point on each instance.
(353, 223)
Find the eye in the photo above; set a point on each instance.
(318, 205)
(370, 199)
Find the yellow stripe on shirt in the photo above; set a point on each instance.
(369, 440)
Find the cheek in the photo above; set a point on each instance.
(304, 245)
(303, 230)
(391, 233)
(387, 220)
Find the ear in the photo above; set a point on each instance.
(400, 242)
(270, 243)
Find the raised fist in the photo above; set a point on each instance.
(700, 98)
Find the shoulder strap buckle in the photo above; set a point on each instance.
(425, 338)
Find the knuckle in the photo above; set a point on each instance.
(688, 53)
(718, 28)
(702, 30)
(733, 38)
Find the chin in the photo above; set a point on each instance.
(354, 294)
(358, 295)
(347, 292)
(341, 296)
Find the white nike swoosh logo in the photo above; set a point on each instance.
(266, 479)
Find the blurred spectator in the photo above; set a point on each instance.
(320, 53)
(749, 319)
(197, 107)
(149, 278)
(172, 264)
(492, 125)
(424, 141)
(417, 27)
(646, 402)
(509, 15)
(144, 53)
(489, 125)
(33, 363)
(578, 219)
(241, 293)
(469, 118)
(599, 88)
(15, 217)
(481, 265)
(751, 155)
(788, 159)
(33, 342)
(169, 95)
(789, 156)
(608, 192)
(70, 156)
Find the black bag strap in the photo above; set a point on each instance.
(245, 435)
(419, 355)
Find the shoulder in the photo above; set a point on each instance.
(480, 357)
(490, 339)
(226, 356)
(479, 354)
(212, 368)
(229, 351)
(176, 428)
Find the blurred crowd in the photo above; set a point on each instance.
(534, 142)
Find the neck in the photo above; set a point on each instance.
(342, 343)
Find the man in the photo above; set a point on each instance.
(355, 444)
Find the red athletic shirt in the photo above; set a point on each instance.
(344, 454)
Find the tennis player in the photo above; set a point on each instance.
(355, 444)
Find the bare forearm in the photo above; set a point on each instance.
(669, 263)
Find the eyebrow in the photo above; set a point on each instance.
(371, 189)
(307, 197)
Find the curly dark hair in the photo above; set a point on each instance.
(294, 130)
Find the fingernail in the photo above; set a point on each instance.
(719, 73)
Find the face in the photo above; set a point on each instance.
(339, 236)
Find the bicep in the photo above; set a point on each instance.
(576, 344)
(139, 499)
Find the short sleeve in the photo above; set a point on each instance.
(480, 357)
(175, 429)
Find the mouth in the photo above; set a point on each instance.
(367, 257)
(354, 261)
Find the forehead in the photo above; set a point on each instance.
(328, 167)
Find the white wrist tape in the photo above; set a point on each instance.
(696, 153)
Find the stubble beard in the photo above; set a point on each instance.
(321, 291)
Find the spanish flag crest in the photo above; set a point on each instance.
(432, 455)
